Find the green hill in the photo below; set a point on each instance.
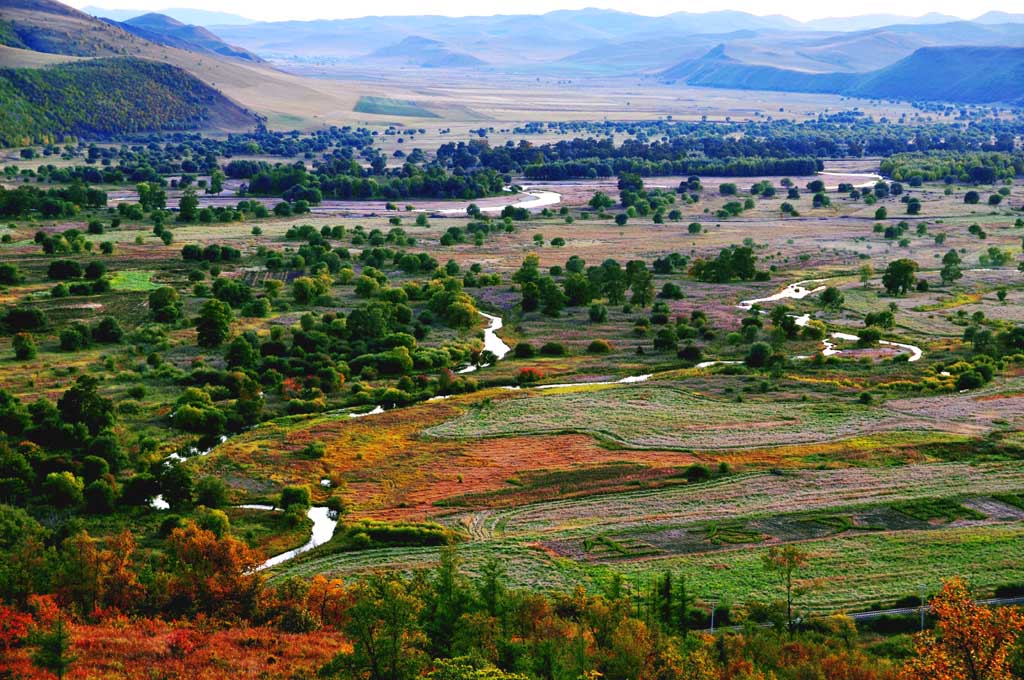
(101, 98)
(972, 75)
(963, 74)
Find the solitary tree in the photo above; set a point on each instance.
(899, 276)
(786, 561)
(188, 206)
(832, 298)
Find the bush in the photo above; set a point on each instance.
(598, 313)
(212, 492)
(553, 349)
(529, 375)
(599, 347)
(759, 354)
(697, 473)
(524, 350)
(99, 498)
(295, 495)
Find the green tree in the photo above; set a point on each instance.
(188, 206)
(951, 271)
(601, 201)
(82, 403)
(786, 561)
(53, 649)
(216, 182)
(642, 289)
(165, 305)
(382, 625)
(213, 323)
(832, 298)
(900, 276)
(448, 599)
(24, 346)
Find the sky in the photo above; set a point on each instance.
(275, 10)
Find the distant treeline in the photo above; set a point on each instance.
(352, 181)
(739, 167)
(737, 149)
(62, 202)
(980, 168)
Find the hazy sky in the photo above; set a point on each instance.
(274, 10)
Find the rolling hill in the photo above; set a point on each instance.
(186, 15)
(163, 30)
(108, 97)
(426, 53)
(964, 74)
(49, 31)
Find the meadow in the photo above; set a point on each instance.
(876, 466)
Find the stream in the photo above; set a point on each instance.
(324, 524)
(323, 529)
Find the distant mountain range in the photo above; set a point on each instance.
(186, 15)
(612, 43)
(165, 30)
(976, 75)
(418, 51)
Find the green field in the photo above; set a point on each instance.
(670, 416)
(392, 107)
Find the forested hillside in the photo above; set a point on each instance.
(965, 74)
(106, 97)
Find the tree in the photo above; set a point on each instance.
(213, 324)
(900, 276)
(448, 599)
(600, 201)
(188, 206)
(642, 289)
(759, 354)
(972, 197)
(52, 651)
(881, 213)
(951, 271)
(973, 642)
(577, 290)
(82, 403)
(24, 347)
(382, 624)
(164, 305)
(786, 561)
(832, 298)
(211, 574)
(216, 182)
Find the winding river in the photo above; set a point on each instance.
(324, 523)
(800, 290)
(323, 529)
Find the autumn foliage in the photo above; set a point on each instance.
(971, 641)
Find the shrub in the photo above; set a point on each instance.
(295, 495)
(759, 354)
(529, 375)
(523, 350)
(553, 349)
(599, 347)
(212, 492)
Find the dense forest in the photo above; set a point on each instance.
(103, 98)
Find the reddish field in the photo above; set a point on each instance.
(172, 651)
(394, 473)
